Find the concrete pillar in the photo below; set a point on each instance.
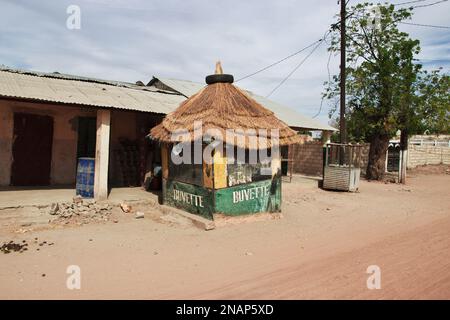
(102, 154)
(386, 160)
(403, 165)
(326, 138)
(403, 156)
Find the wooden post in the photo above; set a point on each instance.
(326, 138)
(165, 160)
(403, 155)
(208, 174)
(102, 154)
(219, 170)
(290, 161)
(342, 120)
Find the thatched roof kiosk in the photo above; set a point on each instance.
(221, 106)
(223, 185)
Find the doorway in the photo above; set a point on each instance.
(393, 158)
(87, 128)
(31, 150)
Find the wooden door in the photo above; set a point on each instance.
(32, 150)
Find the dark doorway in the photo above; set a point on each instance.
(393, 159)
(87, 127)
(284, 164)
(32, 150)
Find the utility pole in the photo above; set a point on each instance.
(342, 124)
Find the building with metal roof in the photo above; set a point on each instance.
(160, 96)
(73, 90)
(49, 121)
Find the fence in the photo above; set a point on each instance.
(427, 154)
(308, 158)
(430, 140)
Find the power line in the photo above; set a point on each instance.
(424, 25)
(416, 24)
(298, 65)
(328, 66)
(295, 69)
(329, 80)
(408, 2)
(320, 41)
(320, 108)
(429, 4)
(419, 6)
(279, 61)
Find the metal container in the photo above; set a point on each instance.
(341, 178)
(342, 167)
(85, 177)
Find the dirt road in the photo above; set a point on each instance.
(413, 265)
(320, 249)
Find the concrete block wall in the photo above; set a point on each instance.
(308, 158)
(426, 154)
(417, 156)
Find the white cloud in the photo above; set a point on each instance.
(135, 39)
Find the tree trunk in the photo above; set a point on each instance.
(377, 157)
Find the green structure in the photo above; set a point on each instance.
(253, 197)
(223, 182)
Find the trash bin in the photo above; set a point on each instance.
(85, 177)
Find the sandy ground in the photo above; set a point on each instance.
(319, 249)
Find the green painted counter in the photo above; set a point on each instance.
(188, 197)
(261, 196)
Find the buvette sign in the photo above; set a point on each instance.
(261, 196)
(251, 193)
(188, 198)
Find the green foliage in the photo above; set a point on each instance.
(386, 87)
(434, 102)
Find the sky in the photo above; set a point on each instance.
(131, 40)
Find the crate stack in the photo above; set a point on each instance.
(127, 162)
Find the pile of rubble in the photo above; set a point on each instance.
(14, 247)
(21, 247)
(81, 210)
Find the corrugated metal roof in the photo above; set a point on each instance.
(290, 116)
(286, 114)
(70, 89)
(86, 91)
(185, 87)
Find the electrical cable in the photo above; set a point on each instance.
(279, 61)
(298, 65)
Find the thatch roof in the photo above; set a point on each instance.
(223, 106)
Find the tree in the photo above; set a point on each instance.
(385, 85)
(434, 102)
